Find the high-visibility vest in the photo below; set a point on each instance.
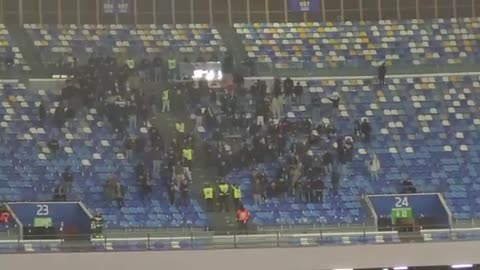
(166, 94)
(208, 193)
(188, 153)
(223, 189)
(237, 193)
(130, 63)
(98, 222)
(172, 63)
(180, 127)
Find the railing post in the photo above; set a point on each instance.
(148, 241)
(105, 243)
(18, 241)
(364, 234)
(191, 238)
(278, 239)
(234, 240)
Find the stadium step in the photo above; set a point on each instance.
(29, 51)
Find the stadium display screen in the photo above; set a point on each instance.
(209, 71)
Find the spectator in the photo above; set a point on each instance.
(59, 116)
(53, 146)
(129, 146)
(318, 186)
(42, 112)
(357, 129)
(157, 64)
(171, 191)
(179, 173)
(257, 191)
(288, 87)
(132, 114)
(119, 193)
(298, 190)
(147, 183)
(327, 160)
(298, 92)
(67, 179)
(277, 107)
(243, 216)
(382, 71)
(335, 181)
(407, 186)
(140, 145)
(374, 167)
(155, 138)
(366, 129)
(110, 188)
(156, 157)
(184, 192)
(59, 193)
(335, 99)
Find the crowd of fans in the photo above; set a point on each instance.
(257, 116)
(115, 89)
(304, 153)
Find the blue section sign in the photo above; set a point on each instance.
(305, 5)
(71, 216)
(423, 205)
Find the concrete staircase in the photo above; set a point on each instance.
(233, 43)
(30, 53)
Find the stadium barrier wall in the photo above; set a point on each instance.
(317, 258)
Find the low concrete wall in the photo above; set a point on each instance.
(318, 258)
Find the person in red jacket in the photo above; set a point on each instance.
(243, 215)
(4, 216)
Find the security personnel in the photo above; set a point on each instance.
(166, 100)
(243, 216)
(187, 154)
(172, 67)
(208, 196)
(237, 195)
(97, 226)
(223, 195)
(180, 128)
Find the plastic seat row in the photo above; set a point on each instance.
(80, 41)
(323, 45)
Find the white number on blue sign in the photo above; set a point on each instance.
(401, 202)
(42, 210)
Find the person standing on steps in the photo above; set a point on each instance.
(374, 167)
(382, 71)
(237, 195)
(208, 196)
(223, 194)
(166, 100)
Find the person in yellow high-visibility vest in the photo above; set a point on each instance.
(208, 196)
(187, 154)
(223, 194)
(172, 68)
(166, 100)
(237, 195)
(180, 128)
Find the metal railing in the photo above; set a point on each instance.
(144, 240)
